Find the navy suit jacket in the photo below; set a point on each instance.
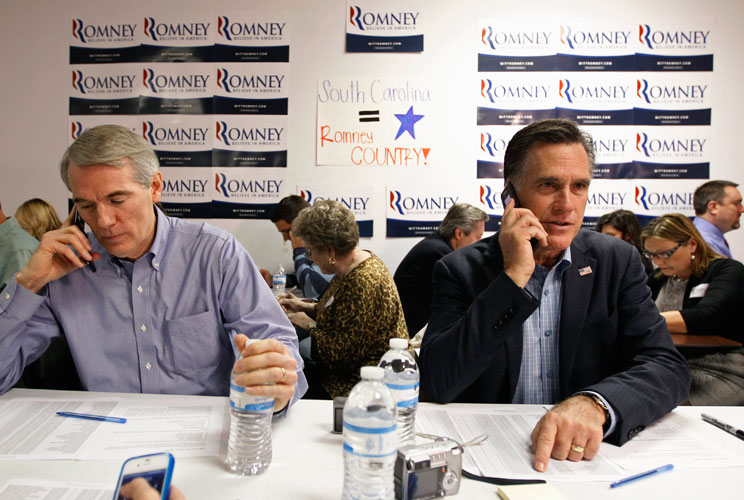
(612, 338)
(413, 278)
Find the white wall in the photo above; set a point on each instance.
(34, 90)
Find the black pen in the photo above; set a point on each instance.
(726, 427)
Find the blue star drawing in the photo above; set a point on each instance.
(406, 122)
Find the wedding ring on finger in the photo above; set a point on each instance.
(284, 375)
(577, 449)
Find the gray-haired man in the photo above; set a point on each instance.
(462, 226)
(164, 302)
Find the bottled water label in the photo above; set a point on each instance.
(406, 395)
(370, 441)
(242, 401)
(279, 279)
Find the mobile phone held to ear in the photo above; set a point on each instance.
(156, 469)
(80, 223)
(508, 194)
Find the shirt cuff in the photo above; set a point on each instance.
(613, 420)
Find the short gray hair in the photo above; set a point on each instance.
(112, 145)
(462, 216)
(552, 131)
(327, 223)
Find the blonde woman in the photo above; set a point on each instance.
(37, 217)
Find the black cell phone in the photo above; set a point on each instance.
(508, 194)
(80, 223)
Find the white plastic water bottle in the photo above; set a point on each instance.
(402, 378)
(370, 440)
(279, 280)
(249, 445)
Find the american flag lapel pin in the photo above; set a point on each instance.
(585, 270)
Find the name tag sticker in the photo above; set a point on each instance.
(330, 301)
(699, 291)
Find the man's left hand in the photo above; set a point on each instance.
(296, 241)
(571, 430)
(266, 369)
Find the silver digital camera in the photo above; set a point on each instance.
(428, 471)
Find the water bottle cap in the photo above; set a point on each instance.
(398, 343)
(372, 372)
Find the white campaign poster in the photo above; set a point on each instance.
(378, 122)
(247, 193)
(355, 198)
(418, 210)
(251, 36)
(187, 191)
(105, 39)
(384, 26)
(250, 141)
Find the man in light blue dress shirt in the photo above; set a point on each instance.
(165, 305)
(718, 209)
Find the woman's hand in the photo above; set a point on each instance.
(302, 320)
(292, 304)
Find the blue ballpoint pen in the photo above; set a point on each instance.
(88, 416)
(648, 473)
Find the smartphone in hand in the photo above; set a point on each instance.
(80, 223)
(156, 469)
(508, 194)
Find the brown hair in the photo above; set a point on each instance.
(679, 228)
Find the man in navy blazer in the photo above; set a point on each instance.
(569, 322)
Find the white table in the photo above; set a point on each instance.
(308, 463)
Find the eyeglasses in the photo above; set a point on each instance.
(662, 255)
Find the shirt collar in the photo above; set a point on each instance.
(699, 221)
(157, 249)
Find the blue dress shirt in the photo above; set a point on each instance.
(539, 374)
(712, 236)
(163, 324)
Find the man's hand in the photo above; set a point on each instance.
(266, 369)
(575, 424)
(55, 257)
(267, 276)
(140, 489)
(518, 227)
(296, 241)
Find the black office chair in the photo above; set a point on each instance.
(55, 369)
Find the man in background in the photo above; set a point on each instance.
(718, 208)
(462, 226)
(308, 276)
(147, 303)
(16, 247)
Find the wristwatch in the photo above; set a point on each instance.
(599, 403)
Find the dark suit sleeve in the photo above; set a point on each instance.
(650, 376)
(467, 329)
(711, 314)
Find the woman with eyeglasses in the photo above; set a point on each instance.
(699, 292)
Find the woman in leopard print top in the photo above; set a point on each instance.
(359, 312)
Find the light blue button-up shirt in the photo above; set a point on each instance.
(539, 377)
(712, 236)
(162, 324)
